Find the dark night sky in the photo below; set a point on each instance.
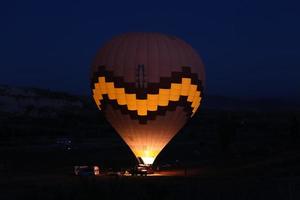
(249, 47)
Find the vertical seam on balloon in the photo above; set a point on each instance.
(169, 65)
(135, 64)
(151, 142)
(117, 52)
(125, 54)
(186, 54)
(168, 129)
(147, 58)
(178, 61)
(182, 61)
(123, 66)
(110, 58)
(198, 58)
(166, 43)
(105, 52)
(157, 46)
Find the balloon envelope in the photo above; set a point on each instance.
(148, 85)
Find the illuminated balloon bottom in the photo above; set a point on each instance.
(148, 160)
(147, 140)
(148, 156)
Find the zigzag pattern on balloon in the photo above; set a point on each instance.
(181, 89)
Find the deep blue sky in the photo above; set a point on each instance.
(249, 47)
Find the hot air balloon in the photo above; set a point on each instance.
(147, 85)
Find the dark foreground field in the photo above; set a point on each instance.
(70, 187)
(45, 172)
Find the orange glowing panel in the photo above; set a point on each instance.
(164, 96)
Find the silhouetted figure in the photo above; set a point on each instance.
(226, 129)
